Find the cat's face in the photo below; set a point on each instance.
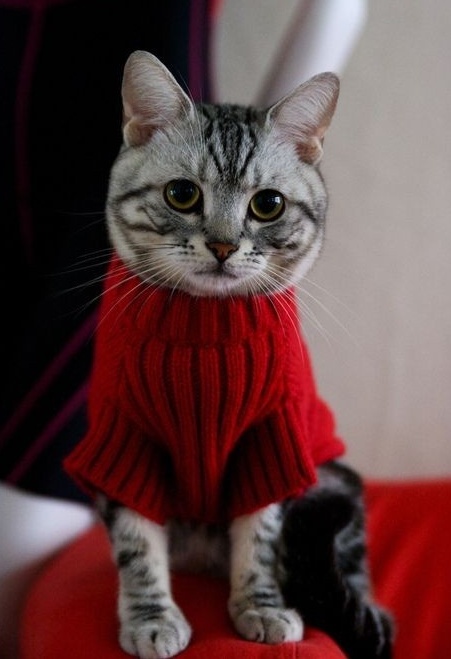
(218, 200)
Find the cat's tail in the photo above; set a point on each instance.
(324, 561)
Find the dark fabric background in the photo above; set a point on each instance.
(61, 65)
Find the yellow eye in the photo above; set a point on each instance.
(267, 205)
(183, 196)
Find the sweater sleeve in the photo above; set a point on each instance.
(118, 459)
(270, 463)
(277, 458)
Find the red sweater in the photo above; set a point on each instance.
(200, 408)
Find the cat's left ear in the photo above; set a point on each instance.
(304, 115)
(152, 98)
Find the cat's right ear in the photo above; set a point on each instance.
(151, 97)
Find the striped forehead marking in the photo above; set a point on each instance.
(230, 139)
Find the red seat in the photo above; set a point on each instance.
(70, 611)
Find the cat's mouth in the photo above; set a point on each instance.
(219, 271)
(218, 280)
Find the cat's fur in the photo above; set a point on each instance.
(293, 561)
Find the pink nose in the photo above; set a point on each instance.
(222, 251)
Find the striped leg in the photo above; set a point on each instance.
(152, 625)
(256, 604)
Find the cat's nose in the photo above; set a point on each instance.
(222, 251)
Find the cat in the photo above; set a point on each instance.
(215, 213)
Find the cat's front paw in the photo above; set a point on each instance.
(270, 625)
(160, 636)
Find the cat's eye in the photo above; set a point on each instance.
(267, 205)
(183, 195)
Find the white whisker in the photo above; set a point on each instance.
(307, 310)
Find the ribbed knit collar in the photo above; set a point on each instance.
(175, 315)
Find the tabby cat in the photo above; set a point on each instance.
(203, 450)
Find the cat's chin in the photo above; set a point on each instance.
(220, 284)
(217, 284)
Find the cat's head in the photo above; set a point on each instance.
(218, 199)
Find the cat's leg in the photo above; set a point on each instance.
(256, 604)
(151, 624)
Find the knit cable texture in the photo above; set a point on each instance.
(200, 408)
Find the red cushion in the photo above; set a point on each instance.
(70, 611)
(410, 552)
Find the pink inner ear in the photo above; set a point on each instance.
(310, 151)
(136, 133)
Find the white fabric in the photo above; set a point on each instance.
(32, 528)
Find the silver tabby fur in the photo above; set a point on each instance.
(221, 248)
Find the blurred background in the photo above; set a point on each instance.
(377, 305)
(381, 293)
